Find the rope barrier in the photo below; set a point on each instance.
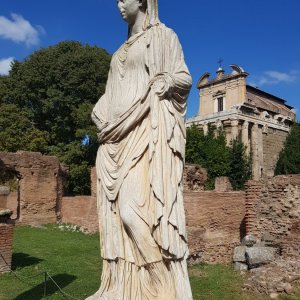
(46, 275)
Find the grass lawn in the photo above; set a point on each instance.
(72, 259)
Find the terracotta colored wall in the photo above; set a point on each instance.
(12, 203)
(273, 209)
(81, 211)
(6, 240)
(215, 224)
(40, 185)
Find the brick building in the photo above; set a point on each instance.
(260, 120)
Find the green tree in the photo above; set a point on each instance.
(56, 88)
(240, 165)
(210, 151)
(289, 157)
(18, 132)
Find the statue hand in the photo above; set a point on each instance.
(162, 86)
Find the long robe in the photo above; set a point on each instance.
(140, 171)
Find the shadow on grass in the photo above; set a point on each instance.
(21, 260)
(37, 292)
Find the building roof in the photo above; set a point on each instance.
(269, 102)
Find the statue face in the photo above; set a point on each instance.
(129, 9)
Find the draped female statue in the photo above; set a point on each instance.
(140, 161)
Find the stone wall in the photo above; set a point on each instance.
(12, 204)
(194, 177)
(273, 140)
(40, 185)
(4, 192)
(215, 223)
(6, 240)
(81, 211)
(273, 212)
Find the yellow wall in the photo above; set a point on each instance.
(234, 92)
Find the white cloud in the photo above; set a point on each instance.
(20, 30)
(5, 65)
(275, 77)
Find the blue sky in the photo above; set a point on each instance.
(262, 36)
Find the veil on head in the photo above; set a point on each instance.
(151, 14)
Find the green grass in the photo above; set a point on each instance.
(72, 259)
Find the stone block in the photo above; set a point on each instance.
(274, 296)
(239, 254)
(238, 266)
(260, 255)
(249, 240)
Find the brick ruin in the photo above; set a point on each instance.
(215, 224)
(6, 240)
(39, 186)
(273, 212)
(273, 218)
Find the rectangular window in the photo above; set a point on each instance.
(220, 104)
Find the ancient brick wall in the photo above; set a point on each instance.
(40, 185)
(273, 141)
(81, 211)
(290, 244)
(12, 203)
(215, 223)
(6, 241)
(4, 192)
(273, 211)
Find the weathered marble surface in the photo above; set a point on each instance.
(140, 161)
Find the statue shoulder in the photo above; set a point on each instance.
(162, 31)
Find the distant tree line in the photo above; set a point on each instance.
(46, 102)
(211, 152)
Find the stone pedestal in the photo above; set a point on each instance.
(6, 240)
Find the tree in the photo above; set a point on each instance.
(289, 157)
(210, 151)
(56, 88)
(240, 165)
(18, 132)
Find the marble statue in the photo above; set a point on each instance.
(140, 120)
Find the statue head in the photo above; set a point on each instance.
(130, 8)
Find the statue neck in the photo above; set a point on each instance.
(137, 25)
